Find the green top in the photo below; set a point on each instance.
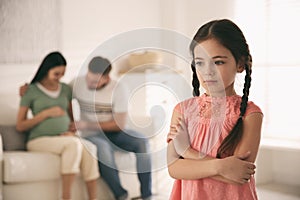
(37, 101)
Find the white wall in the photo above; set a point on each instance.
(86, 24)
(29, 29)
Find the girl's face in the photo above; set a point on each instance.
(216, 68)
(55, 74)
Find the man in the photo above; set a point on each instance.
(103, 112)
(103, 107)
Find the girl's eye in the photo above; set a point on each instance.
(219, 62)
(199, 63)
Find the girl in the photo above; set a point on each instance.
(50, 103)
(214, 137)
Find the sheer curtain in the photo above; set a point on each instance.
(270, 26)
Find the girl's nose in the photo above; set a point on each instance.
(210, 73)
(210, 69)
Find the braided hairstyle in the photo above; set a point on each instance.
(231, 37)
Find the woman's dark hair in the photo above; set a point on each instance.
(231, 37)
(52, 60)
(99, 65)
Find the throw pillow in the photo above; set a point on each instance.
(12, 139)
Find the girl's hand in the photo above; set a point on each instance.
(172, 133)
(236, 169)
(177, 129)
(180, 136)
(54, 111)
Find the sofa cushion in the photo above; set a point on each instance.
(21, 166)
(12, 139)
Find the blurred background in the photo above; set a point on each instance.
(29, 29)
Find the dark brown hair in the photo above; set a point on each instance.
(230, 36)
(51, 60)
(99, 65)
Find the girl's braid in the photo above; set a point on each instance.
(195, 82)
(227, 148)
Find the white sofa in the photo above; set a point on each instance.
(35, 176)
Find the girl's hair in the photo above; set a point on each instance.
(232, 38)
(52, 60)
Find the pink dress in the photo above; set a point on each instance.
(209, 121)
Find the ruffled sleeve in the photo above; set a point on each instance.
(179, 108)
(252, 108)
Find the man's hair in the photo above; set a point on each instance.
(100, 65)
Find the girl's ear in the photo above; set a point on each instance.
(240, 66)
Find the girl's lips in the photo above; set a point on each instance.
(210, 81)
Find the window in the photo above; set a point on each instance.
(270, 27)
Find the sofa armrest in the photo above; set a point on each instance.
(12, 140)
(1, 166)
(1, 150)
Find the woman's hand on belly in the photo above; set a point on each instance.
(69, 133)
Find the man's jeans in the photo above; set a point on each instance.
(128, 141)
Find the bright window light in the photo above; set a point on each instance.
(270, 27)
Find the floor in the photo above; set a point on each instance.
(265, 192)
(278, 192)
(271, 191)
